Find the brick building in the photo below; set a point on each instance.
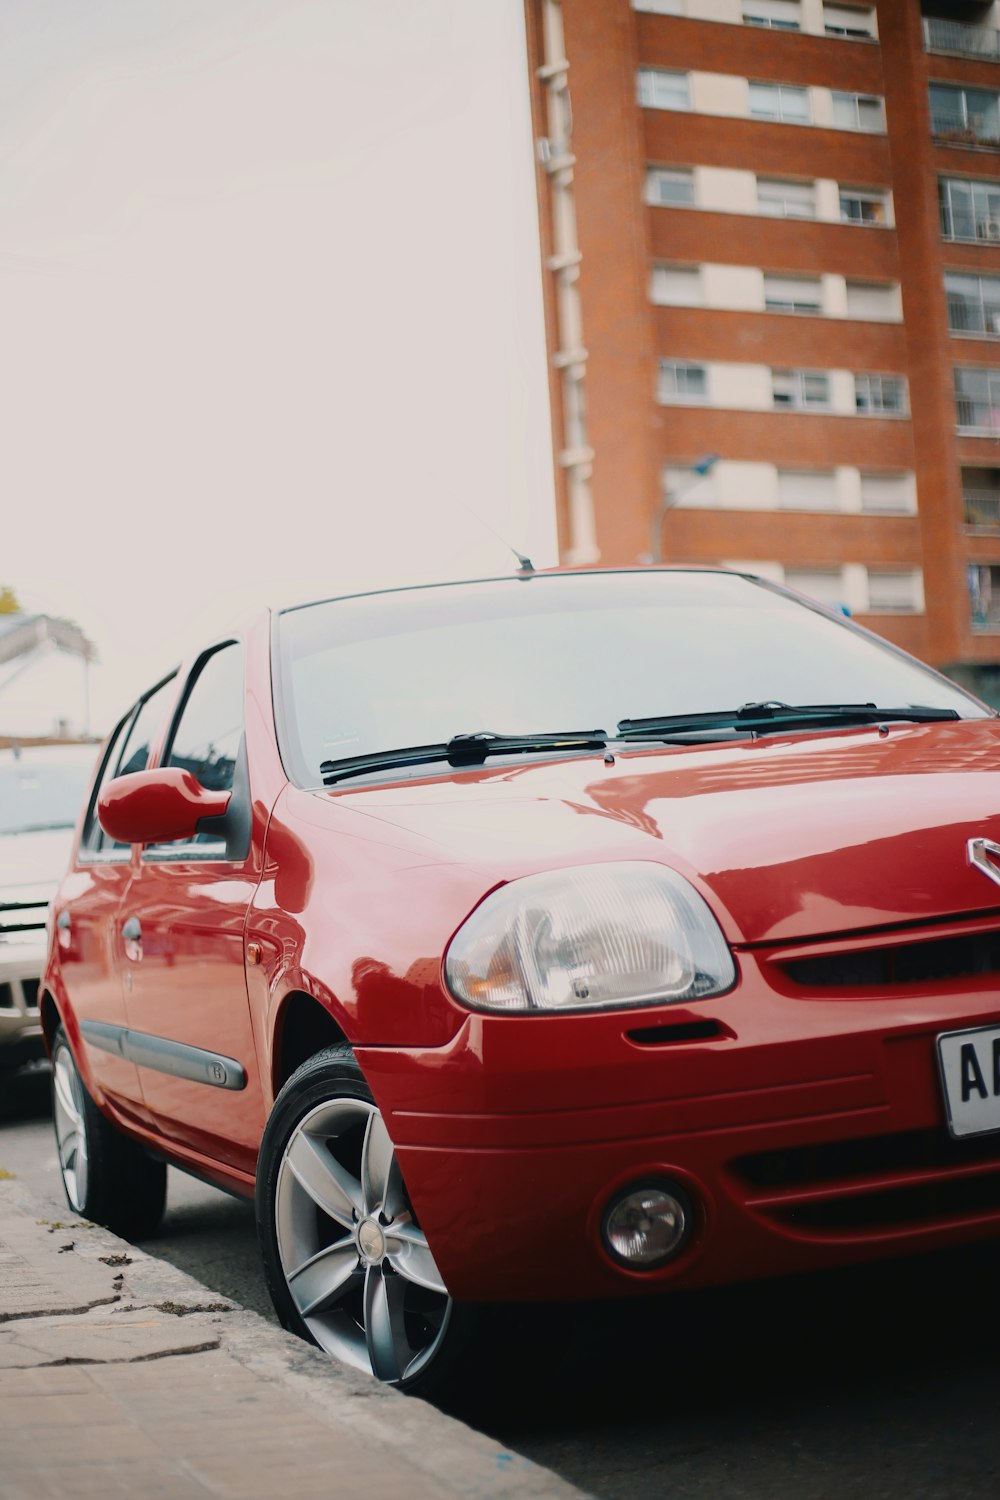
(772, 234)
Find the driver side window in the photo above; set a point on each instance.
(130, 750)
(206, 740)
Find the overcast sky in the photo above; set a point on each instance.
(271, 311)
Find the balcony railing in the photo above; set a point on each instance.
(981, 509)
(958, 36)
(976, 416)
(965, 129)
(963, 224)
(968, 316)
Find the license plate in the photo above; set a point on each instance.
(970, 1076)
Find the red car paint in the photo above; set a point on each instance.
(802, 1109)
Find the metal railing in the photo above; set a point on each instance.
(963, 224)
(968, 315)
(984, 598)
(981, 508)
(976, 416)
(959, 36)
(966, 129)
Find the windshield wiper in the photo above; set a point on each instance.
(462, 750)
(771, 716)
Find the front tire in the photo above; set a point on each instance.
(106, 1176)
(347, 1265)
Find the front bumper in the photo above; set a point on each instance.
(808, 1126)
(21, 965)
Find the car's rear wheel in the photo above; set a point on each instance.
(106, 1176)
(347, 1264)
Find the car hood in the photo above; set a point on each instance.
(788, 837)
(32, 864)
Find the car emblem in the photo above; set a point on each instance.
(980, 852)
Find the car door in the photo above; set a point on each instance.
(87, 931)
(181, 925)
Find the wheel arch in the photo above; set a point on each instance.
(50, 1016)
(304, 1027)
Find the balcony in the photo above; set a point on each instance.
(964, 224)
(981, 509)
(960, 38)
(976, 416)
(984, 597)
(951, 126)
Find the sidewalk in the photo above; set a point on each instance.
(120, 1375)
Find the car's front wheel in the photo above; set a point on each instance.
(106, 1176)
(347, 1264)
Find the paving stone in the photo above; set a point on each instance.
(106, 1391)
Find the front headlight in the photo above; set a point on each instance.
(589, 938)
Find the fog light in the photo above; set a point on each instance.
(646, 1225)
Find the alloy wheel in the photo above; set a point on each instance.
(356, 1264)
(70, 1124)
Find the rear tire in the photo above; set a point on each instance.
(106, 1176)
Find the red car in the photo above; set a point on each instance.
(564, 935)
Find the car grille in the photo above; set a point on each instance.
(961, 956)
(22, 916)
(873, 1185)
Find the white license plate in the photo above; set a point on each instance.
(970, 1075)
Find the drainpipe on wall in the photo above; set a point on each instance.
(555, 154)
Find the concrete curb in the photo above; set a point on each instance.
(148, 1378)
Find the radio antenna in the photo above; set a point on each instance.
(524, 564)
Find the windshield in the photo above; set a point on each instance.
(361, 675)
(43, 790)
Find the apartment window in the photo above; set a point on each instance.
(984, 597)
(887, 494)
(825, 585)
(977, 399)
(680, 381)
(981, 499)
(676, 286)
(969, 210)
(973, 303)
(873, 301)
(780, 15)
(660, 7)
(854, 22)
(969, 116)
(807, 489)
(794, 294)
(800, 389)
(864, 206)
(668, 187)
(780, 101)
(894, 593)
(858, 112)
(786, 200)
(661, 90)
(880, 394)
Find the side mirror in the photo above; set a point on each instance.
(153, 807)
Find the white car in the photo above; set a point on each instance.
(41, 790)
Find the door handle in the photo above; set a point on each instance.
(132, 933)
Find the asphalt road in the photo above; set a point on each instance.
(880, 1384)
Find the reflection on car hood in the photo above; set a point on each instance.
(788, 836)
(32, 864)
